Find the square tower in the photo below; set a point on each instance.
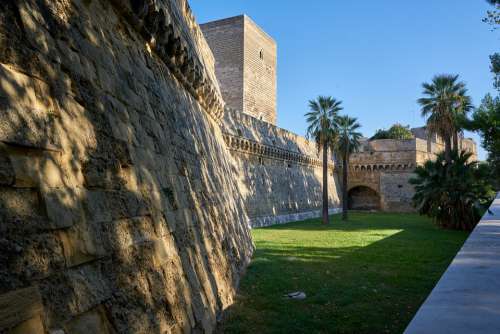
(245, 65)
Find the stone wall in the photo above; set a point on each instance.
(246, 65)
(385, 166)
(280, 173)
(119, 204)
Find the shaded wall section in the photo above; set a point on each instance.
(280, 173)
(119, 205)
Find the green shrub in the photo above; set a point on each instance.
(455, 195)
(397, 131)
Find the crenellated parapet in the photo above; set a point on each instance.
(382, 167)
(248, 146)
(168, 27)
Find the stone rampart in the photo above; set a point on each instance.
(120, 210)
(380, 172)
(280, 173)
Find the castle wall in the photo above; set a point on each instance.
(386, 166)
(120, 209)
(280, 173)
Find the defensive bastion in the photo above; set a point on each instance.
(120, 209)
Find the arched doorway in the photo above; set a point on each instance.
(363, 198)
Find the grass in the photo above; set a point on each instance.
(368, 275)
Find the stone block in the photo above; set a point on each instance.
(82, 243)
(96, 206)
(27, 116)
(21, 309)
(94, 321)
(36, 168)
(32, 326)
(63, 206)
(7, 175)
(20, 204)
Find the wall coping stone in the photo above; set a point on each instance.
(288, 218)
(467, 297)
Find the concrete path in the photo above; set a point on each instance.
(467, 297)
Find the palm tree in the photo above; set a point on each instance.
(444, 98)
(322, 128)
(348, 142)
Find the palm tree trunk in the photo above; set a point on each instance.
(455, 142)
(325, 183)
(345, 169)
(447, 149)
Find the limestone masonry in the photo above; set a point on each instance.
(120, 210)
(246, 59)
(380, 171)
(280, 173)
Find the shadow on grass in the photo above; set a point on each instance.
(368, 275)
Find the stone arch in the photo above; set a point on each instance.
(363, 198)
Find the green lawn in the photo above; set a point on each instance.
(368, 275)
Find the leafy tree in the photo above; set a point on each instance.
(495, 69)
(397, 131)
(454, 193)
(348, 142)
(493, 16)
(380, 134)
(322, 128)
(444, 104)
(486, 121)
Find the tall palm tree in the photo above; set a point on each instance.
(347, 143)
(323, 129)
(445, 97)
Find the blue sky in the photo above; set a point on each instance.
(372, 55)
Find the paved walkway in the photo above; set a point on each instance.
(467, 297)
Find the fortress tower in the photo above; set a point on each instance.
(245, 64)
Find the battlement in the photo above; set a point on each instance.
(246, 133)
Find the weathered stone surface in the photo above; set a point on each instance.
(246, 65)
(111, 164)
(380, 171)
(280, 172)
(20, 311)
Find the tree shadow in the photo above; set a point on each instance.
(116, 195)
(376, 288)
(273, 187)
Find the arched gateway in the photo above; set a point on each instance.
(363, 198)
